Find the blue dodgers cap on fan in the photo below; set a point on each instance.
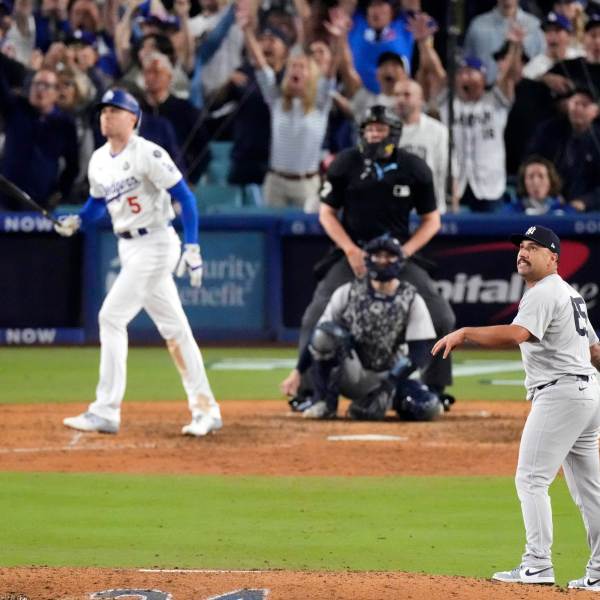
(472, 62)
(540, 235)
(554, 19)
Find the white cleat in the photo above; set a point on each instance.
(523, 574)
(591, 584)
(90, 422)
(319, 410)
(202, 425)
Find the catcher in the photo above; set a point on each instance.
(359, 346)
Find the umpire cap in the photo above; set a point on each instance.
(121, 99)
(540, 235)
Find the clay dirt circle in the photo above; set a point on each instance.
(264, 438)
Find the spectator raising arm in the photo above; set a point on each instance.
(431, 73)
(508, 77)
(185, 49)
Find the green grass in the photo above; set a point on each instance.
(480, 387)
(39, 375)
(464, 526)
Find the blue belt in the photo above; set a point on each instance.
(550, 383)
(129, 235)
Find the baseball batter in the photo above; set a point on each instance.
(134, 180)
(560, 355)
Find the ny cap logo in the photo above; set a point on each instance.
(530, 231)
(552, 245)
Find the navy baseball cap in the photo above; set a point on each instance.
(164, 23)
(272, 31)
(389, 56)
(558, 21)
(540, 235)
(472, 62)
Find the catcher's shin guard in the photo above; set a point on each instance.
(326, 378)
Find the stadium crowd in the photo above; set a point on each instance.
(282, 85)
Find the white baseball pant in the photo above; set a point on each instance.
(146, 282)
(561, 429)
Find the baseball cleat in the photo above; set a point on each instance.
(591, 584)
(525, 574)
(202, 425)
(319, 410)
(90, 422)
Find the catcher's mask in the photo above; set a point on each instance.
(384, 149)
(379, 266)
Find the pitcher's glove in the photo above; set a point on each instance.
(191, 261)
(69, 224)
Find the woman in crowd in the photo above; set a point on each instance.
(299, 111)
(538, 189)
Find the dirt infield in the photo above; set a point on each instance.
(262, 438)
(54, 584)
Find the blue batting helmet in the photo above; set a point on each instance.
(414, 401)
(121, 99)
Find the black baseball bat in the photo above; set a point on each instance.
(16, 193)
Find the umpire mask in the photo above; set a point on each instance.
(385, 148)
(382, 268)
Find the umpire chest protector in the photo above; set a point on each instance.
(377, 197)
(377, 322)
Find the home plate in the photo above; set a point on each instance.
(366, 437)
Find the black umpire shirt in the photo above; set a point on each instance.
(378, 197)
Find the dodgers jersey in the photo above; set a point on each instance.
(133, 184)
(556, 315)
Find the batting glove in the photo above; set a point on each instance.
(191, 261)
(69, 224)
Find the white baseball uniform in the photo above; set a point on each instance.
(562, 427)
(133, 184)
(479, 142)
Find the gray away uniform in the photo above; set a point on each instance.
(562, 427)
(380, 325)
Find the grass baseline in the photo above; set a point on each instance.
(438, 525)
(44, 375)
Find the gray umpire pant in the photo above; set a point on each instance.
(439, 371)
(561, 429)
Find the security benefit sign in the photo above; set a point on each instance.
(479, 276)
(231, 298)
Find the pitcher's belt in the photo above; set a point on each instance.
(550, 383)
